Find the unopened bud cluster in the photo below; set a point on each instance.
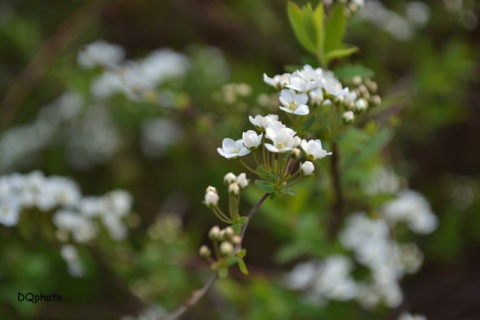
(363, 96)
(234, 183)
(225, 240)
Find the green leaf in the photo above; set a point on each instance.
(273, 195)
(289, 191)
(319, 29)
(340, 53)
(273, 176)
(308, 123)
(242, 266)
(297, 20)
(350, 71)
(335, 29)
(265, 185)
(242, 253)
(242, 220)
(237, 228)
(263, 172)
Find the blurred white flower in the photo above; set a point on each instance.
(100, 53)
(408, 316)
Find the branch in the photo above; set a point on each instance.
(198, 294)
(338, 201)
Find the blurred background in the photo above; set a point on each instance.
(160, 145)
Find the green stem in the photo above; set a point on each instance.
(247, 166)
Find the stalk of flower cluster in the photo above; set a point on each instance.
(198, 294)
(337, 206)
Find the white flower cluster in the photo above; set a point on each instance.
(413, 209)
(388, 261)
(400, 27)
(158, 134)
(277, 138)
(21, 144)
(74, 215)
(371, 242)
(325, 280)
(137, 79)
(92, 139)
(315, 85)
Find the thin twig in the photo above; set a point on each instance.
(198, 294)
(251, 214)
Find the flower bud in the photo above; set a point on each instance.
(204, 252)
(212, 189)
(348, 117)
(375, 100)
(229, 178)
(242, 180)
(226, 248)
(214, 233)
(228, 232)
(211, 199)
(296, 152)
(360, 105)
(307, 168)
(251, 140)
(234, 188)
(236, 240)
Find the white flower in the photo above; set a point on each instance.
(307, 168)
(282, 139)
(242, 180)
(413, 209)
(232, 149)
(229, 178)
(294, 103)
(100, 53)
(408, 316)
(276, 128)
(302, 275)
(348, 117)
(300, 84)
(9, 212)
(211, 199)
(316, 96)
(263, 122)
(314, 150)
(251, 139)
(277, 81)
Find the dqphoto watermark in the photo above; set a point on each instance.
(34, 298)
